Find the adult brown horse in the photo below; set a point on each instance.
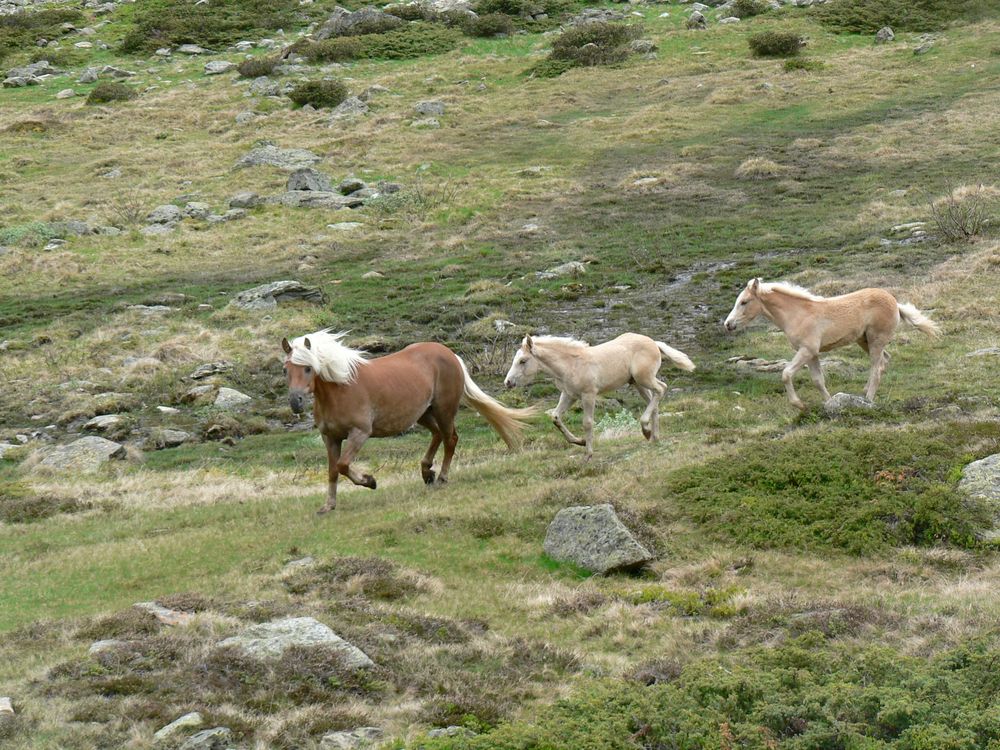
(356, 398)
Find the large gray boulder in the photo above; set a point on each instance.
(317, 199)
(269, 296)
(343, 22)
(352, 106)
(352, 739)
(283, 158)
(981, 480)
(269, 640)
(840, 403)
(192, 720)
(230, 398)
(592, 537)
(84, 455)
(309, 179)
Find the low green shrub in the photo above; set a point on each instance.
(413, 40)
(856, 490)
(803, 63)
(379, 24)
(110, 91)
(319, 94)
(489, 25)
(508, 7)
(20, 31)
(255, 67)
(549, 68)
(868, 16)
(19, 504)
(775, 44)
(167, 23)
(599, 43)
(748, 8)
(413, 12)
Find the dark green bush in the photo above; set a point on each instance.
(413, 40)
(850, 489)
(868, 16)
(489, 25)
(255, 67)
(376, 25)
(166, 23)
(748, 8)
(21, 31)
(598, 43)
(508, 7)
(110, 91)
(413, 12)
(803, 63)
(549, 68)
(775, 44)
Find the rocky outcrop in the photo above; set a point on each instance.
(270, 640)
(593, 537)
(269, 296)
(87, 454)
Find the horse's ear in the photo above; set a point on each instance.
(754, 286)
(286, 346)
(528, 343)
(307, 343)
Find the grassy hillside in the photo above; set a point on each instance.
(818, 582)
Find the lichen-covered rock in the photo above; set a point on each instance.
(981, 480)
(283, 158)
(269, 640)
(593, 537)
(269, 296)
(192, 720)
(209, 739)
(842, 402)
(309, 179)
(85, 455)
(230, 398)
(353, 739)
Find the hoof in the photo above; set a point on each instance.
(647, 433)
(429, 477)
(442, 480)
(325, 509)
(369, 481)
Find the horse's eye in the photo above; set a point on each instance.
(745, 302)
(308, 370)
(284, 370)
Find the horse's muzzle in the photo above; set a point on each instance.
(729, 325)
(297, 401)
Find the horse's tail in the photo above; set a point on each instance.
(508, 422)
(678, 358)
(914, 317)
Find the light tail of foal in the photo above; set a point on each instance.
(508, 423)
(915, 318)
(678, 358)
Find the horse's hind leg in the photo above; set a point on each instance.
(652, 390)
(802, 356)
(450, 436)
(880, 358)
(426, 472)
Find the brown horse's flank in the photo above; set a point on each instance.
(422, 384)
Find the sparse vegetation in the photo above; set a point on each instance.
(110, 91)
(775, 44)
(21, 31)
(319, 94)
(868, 16)
(748, 8)
(412, 40)
(598, 43)
(803, 63)
(965, 212)
(254, 67)
(489, 25)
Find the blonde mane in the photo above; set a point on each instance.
(560, 341)
(792, 290)
(329, 358)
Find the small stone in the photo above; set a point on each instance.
(66, 94)
(981, 480)
(924, 48)
(6, 707)
(110, 71)
(230, 398)
(355, 739)
(429, 108)
(88, 76)
(842, 402)
(371, 92)
(197, 210)
(345, 226)
(572, 268)
(308, 178)
(163, 614)
(271, 639)
(428, 123)
(884, 35)
(84, 455)
(209, 369)
(209, 739)
(170, 438)
(452, 731)
(268, 296)
(192, 720)
(103, 422)
(217, 67)
(245, 199)
(283, 158)
(191, 49)
(84, 45)
(987, 352)
(352, 106)
(373, 275)
(167, 410)
(351, 185)
(98, 647)
(199, 394)
(697, 21)
(164, 214)
(729, 19)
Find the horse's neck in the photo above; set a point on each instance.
(556, 359)
(782, 309)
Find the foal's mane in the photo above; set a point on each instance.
(792, 290)
(561, 341)
(329, 358)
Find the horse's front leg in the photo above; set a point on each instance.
(802, 356)
(589, 402)
(816, 371)
(333, 473)
(565, 401)
(355, 439)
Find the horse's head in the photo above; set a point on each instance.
(300, 378)
(747, 306)
(525, 365)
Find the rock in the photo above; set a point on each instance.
(6, 707)
(452, 731)
(351, 185)
(199, 394)
(317, 199)
(642, 46)
(197, 210)
(103, 423)
(84, 455)
(245, 199)
(84, 45)
(373, 275)
(371, 92)
(165, 214)
(729, 19)
(427, 123)
(192, 720)
(572, 268)
(230, 398)
(429, 107)
(352, 106)
(345, 226)
(697, 21)
(308, 179)
(166, 616)
(924, 48)
(283, 158)
(167, 410)
(343, 21)
(209, 739)
(88, 76)
(98, 647)
(302, 562)
(987, 352)
(743, 362)
(271, 639)
(245, 117)
(156, 229)
(20, 82)
(110, 71)
(592, 537)
(163, 52)
(264, 86)
(66, 94)
(217, 67)
(5, 447)
(884, 35)
(268, 296)
(355, 738)
(170, 438)
(191, 49)
(981, 480)
(842, 402)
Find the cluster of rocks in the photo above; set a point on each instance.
(910, 233)
(30, 75)
(166, 218)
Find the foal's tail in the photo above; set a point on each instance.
(506, 421)
(678, 358)
(914, 317)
